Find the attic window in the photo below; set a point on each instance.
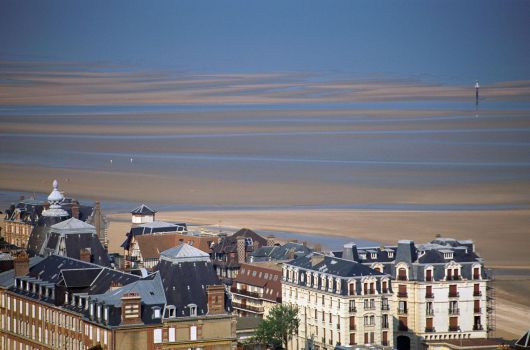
(391, 254)
(171, 311)
(448, 255)
(373, 255)
(193, 310)
(156, 312)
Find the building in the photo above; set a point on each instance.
(150, 246)
(256, 289)
(277, 252)
(21, 219)
(60, 302)
(340, 302)
(231, 251)
(75, 239)
(441, 289)
(144, 223)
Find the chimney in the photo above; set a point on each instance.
(304, 243)
(75, 209)
(316, 259)
(317, 247)
(85, 255)
(406, 251)
(349, 252)
(21, 264)
(216, 299)
(270, 240)
(131, 308)
(290, 254)
(241, 251)
(97, 221)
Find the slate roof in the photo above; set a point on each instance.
(76, 278)
(150, 290)
(288, 251)
(334, 266)
(7, 278)
(185, 283)
(184, 253)
(73, 225)
(143, 210)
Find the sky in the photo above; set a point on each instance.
(434, 41)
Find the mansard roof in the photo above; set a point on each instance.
(333, 266)
(143, 210)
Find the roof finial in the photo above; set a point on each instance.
(55, 199)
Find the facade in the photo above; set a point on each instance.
(441, 289)
(21, 219)
(231, 251)
(340, 302)
(61, 302)
(150, 246)
(256, 289)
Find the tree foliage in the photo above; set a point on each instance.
(279, 326)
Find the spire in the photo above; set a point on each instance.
(55, 199)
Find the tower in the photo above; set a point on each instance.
(477, 87)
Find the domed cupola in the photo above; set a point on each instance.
(55, 199)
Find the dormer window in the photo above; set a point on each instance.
(193, 310)
(156, 312)
(373, 255)
(390, 253)
(91, 310)
(448, 255)
(106, 313)
(171, 311)
(99, 311)
(362, 256)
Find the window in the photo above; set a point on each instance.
(193, 333)
(193, 309)
(171, 334)
(171, 311)
(157, 336)
(156, 312)
(106, 313)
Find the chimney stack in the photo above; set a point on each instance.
(216, 299)
(85, 255)
(131, 308)
(75, 209)
(21, 264)
(241, 249)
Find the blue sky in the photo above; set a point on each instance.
(441, 41)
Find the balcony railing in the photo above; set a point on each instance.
(402, 278)
(454, 278)
(429, 295)
(369, 307)
(402, 311)
(402, 294)
(454, 294)
(385, 325)
(429, 312)
(352, 327)
(454, 311)
(370, 291)
(476, 277)
(477, 293)
(454, 328)
(477, 310)
(245, 292)
(247, 307)
(385, 291)
(353, 309)
(478, 327)
(385, 307)
(429, 330)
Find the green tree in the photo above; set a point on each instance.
(279, 326)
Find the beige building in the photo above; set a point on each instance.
(340, 302)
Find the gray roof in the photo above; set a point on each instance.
(7, 278)
(72, 225)
(333, 266)
(184, 253)
(150, 290)
(143, 210)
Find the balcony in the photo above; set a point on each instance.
(478, 327)
(429, 330)
(429, 312)
(369, 307)
(402, 311)
(454, 311)
(385, 291)
(246, 307)
(454, 278)
(402, 278)
(371, 291)
(352, 309)
(385, 325)
(402, 294)
(245, 292)
(385, 307)
(352, 327)
(454, 328)
(477, 293)
(454, 294)
(429, 295)
(476, 277)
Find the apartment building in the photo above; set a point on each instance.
(340, 302)
(257, 289)
(59, 302)
(441, 289)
